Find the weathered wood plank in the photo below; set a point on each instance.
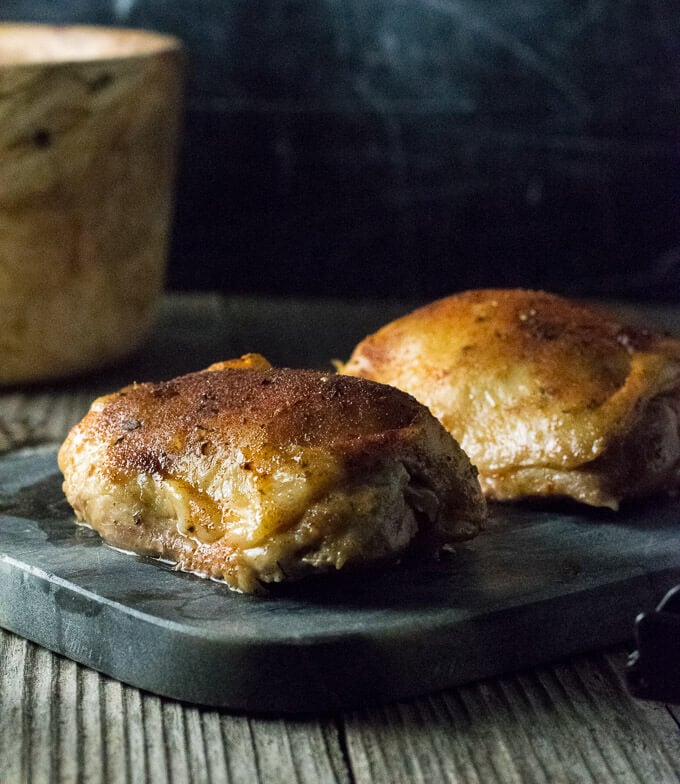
(570, 723)
(13, 709)
(64, 723)
(114, 761)
(33, 418)
(658, 723)
(40, 697)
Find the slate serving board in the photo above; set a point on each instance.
(540, 583)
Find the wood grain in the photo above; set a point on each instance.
(574, 722)
(87, 150)
(570, 723)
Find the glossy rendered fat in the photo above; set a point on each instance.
(258, 475)
(546, 396)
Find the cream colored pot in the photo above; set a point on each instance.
(88, 129)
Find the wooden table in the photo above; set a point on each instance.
(570, 721)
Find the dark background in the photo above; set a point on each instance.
(411, 148)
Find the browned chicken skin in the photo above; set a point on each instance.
(546, 396)
(253, 474)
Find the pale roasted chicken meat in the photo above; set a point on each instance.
(547, 396)
(254, 475)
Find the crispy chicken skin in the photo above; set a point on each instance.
(546, 396)
(253, 475)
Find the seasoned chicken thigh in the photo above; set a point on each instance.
(545, 395)
(253, 475)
